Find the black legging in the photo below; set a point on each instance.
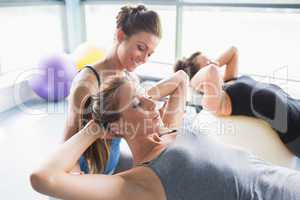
(270, 103)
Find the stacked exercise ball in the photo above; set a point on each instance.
(87, 54)
(55, 73)
(52, 80)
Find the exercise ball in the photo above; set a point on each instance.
(53, 79)
(87, 54)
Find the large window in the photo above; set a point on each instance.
(245, 1)
(166, 49)
(101, 23)
(268, 39)
(27, 33)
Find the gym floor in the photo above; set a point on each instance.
(27, 135)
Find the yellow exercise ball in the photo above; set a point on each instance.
(87, 54)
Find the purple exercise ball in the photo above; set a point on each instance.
(53, 80)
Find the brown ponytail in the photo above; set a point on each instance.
(103, 108)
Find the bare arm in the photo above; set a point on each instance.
(208, 81)
(230, 59)
(53, 177)
(176, 88)
(77, 95)
(167, 86)
(73, 122)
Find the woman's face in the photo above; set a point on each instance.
(136, 50)
(201, 61)
(139, 114)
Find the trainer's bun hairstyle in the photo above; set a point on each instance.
(135, 19)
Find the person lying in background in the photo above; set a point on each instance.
(242, 95)
(170, 162)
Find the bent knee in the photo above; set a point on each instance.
(212, 72)
(183, 78)
(234, 49)
(182, 75)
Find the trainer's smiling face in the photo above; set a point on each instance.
(135, 50)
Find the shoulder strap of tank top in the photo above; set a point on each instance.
(95, 72)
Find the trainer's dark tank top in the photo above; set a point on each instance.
(87, 108)
(268, 102)
(198, 167)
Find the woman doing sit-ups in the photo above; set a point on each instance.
(233, 95)
(168, 164)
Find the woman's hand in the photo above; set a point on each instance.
(214, 62)
(167, 86)
(93, 128)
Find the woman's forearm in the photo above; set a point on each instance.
(167, 86)
(226, 57)
(209, 82)
(67, 155)
(68, 133)
(230, 59)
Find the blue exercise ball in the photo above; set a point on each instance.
(53, 79)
